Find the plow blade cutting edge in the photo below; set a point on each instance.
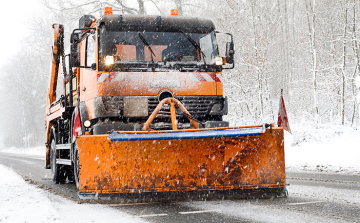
(240, 161)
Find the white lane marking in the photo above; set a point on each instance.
(198, 212)
(152, 215)
(310, 202)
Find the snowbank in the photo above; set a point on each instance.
(22, 202)
(326, 149)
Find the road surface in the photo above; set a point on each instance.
(313, 197)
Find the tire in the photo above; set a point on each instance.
(76, 165)
(58, 171)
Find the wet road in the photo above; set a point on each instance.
(313, 197)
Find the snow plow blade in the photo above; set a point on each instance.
(236, 162)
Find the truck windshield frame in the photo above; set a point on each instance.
(162, 51)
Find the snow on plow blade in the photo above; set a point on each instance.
(162, 164)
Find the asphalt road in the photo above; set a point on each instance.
(313, 197)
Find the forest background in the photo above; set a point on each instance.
(309, 48)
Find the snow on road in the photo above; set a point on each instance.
(255, 212)
(22, 202)
(343, 196)
(298, 207)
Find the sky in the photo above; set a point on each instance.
(14, 17)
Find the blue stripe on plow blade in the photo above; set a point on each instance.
(187, 135)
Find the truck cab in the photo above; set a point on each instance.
(126, 64)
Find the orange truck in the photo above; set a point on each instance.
(141, 114)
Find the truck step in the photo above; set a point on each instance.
(63, 161)
(63, 146)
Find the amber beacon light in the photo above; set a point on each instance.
(108, 11)
(174, 12)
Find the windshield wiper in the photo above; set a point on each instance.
(148, 45)
(194, 44)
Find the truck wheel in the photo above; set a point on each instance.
(58, 174)
(76, 165)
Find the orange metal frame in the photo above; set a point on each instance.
(172, 102)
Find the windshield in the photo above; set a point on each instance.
(157, 50)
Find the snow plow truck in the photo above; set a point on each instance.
(140, 114)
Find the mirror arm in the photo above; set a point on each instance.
(71, 74)
(231, 36)
(65, 74)
(85, 67)
(228, 68)
(83, 29)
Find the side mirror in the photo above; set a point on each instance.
(75, 50)
(229, 51)
(229, 54)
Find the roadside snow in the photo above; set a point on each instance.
(22, 202)
(327, 149)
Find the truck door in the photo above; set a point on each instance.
(88, 78)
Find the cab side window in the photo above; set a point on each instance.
(90, 50)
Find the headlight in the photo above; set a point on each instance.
(87, 123)
(109, 60)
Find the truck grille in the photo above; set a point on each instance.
(113, 105)
(198, 106)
